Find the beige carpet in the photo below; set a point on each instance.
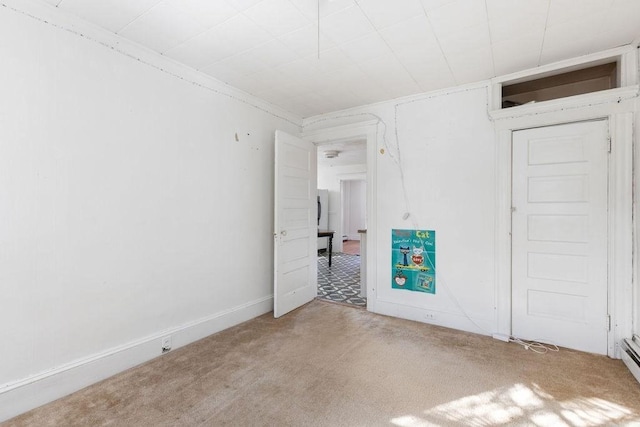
(330, 365)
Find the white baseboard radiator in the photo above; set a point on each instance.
(631, 355)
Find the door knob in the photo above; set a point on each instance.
(283, 232)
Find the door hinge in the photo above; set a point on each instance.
(608, 144)
(608, 322)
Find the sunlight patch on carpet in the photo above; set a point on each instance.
(521, 404)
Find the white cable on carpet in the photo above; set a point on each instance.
(535, 346)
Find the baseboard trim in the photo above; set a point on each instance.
(433, 317)
(29, 393)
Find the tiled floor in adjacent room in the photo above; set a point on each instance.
(341, 281)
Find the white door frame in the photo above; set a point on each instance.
(369, 130)
(620, 220)
(343, 179)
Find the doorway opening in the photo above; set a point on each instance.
(367, 132)
(342, 199)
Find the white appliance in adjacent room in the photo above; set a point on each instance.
(323, 216)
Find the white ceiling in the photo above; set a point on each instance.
(349, 153)
(369, 50)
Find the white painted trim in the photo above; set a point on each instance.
(629, 81)
(616, 105)
(356, 176)
(626, 53)
(369, 130)
(59, 19)
(621, 288)
(629, 68)
(454, 320)
(372, 218)
(28, 393)
(636, 225)
(359, 176)
(610, 96)
(503, 233)
(620, 230)
(568, 113)
(357, 111)
(568, 65)
(340, 133)
(495, 96)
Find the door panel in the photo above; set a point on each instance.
(295, 229)
(559, 235)
(558, 228)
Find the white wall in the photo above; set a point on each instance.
(128, 209)
(354, 207)
(446, 148)
(445, 157)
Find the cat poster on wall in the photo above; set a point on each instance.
(413, 258)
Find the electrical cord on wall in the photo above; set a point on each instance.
(395, 155)
(533, 345)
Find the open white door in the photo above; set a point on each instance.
(295, 224)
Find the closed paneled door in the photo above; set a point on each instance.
(559, 235)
